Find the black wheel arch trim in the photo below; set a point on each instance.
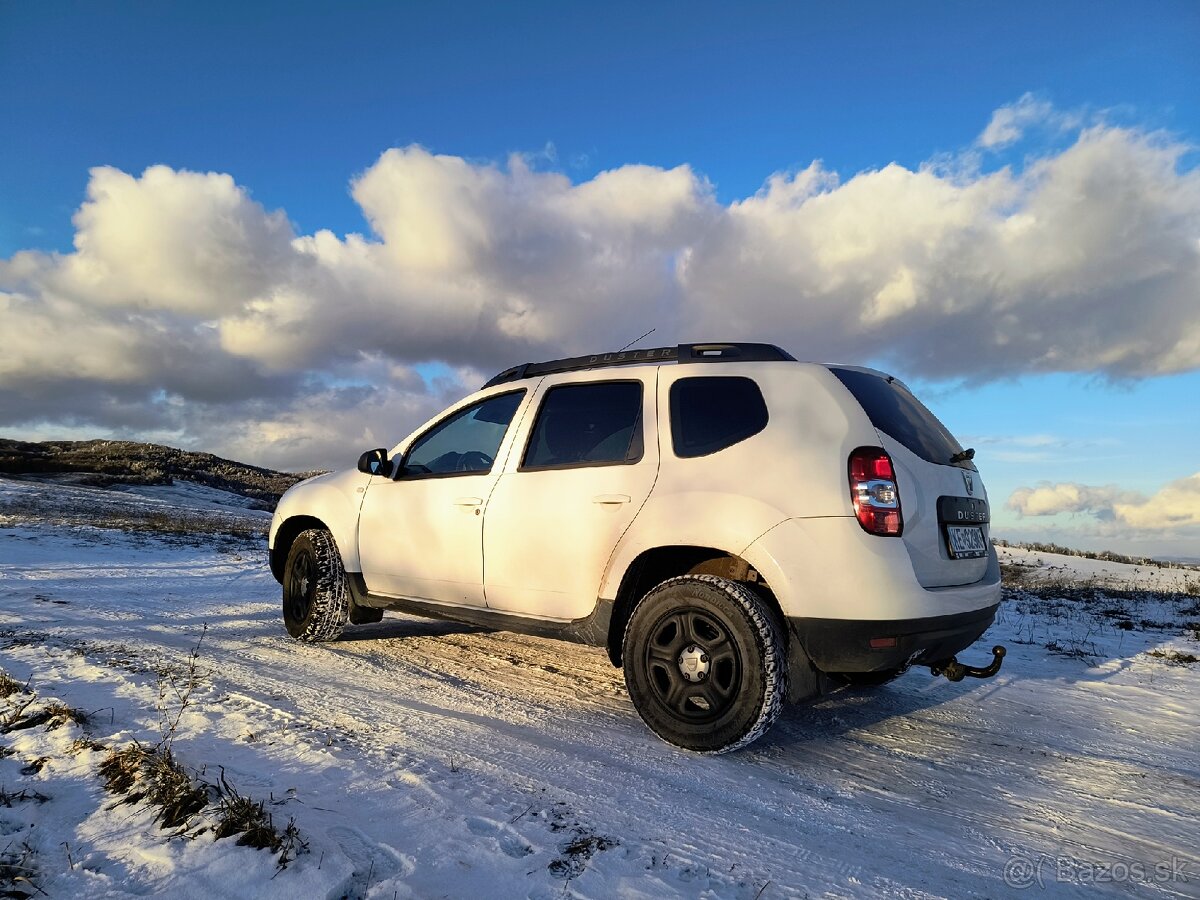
(289, 529)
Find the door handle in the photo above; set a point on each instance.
(611, 499)
(468, 501)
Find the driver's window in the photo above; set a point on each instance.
(466, 443)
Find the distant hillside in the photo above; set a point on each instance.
(1103, 555)
(113, 463)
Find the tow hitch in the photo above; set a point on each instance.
(956, 671)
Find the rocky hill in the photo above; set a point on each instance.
(114, 463)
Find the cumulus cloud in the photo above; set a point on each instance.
(1010, 122)
(1085, 261)
(1068, 497)
(186, 305)
(1174, 506)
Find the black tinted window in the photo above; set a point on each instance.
(900, 415)
(466, 443)
(587, 424)
(710, 414)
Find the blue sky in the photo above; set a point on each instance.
(293, 99)
(296, 103)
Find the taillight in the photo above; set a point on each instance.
(874, 493)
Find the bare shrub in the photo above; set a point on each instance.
(175, 693)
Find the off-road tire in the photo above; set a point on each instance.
(729, 627)
(316, 598)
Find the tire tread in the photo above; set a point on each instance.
(767, 637)
(331, 599)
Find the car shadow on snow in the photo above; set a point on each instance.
(406, 627)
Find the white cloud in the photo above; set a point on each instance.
(1067, 497)
(186, 305)
(1010, 122)
(1175, 506)
(181, 241)
(1086, 261)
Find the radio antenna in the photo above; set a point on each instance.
(635, 340)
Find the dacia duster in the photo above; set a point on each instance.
(736, 528)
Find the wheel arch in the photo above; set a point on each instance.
(658, 564)
(285, 536)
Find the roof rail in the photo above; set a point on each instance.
(683, 353)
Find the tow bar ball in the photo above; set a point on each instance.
(956, 671)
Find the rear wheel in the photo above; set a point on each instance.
(705, 663)
(316, 599)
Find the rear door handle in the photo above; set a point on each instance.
(611, 499)
(468, 501)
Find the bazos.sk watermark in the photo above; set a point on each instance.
(1038, 870)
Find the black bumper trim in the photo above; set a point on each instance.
(843, 645)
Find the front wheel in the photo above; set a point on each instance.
(705, 663)
(316, 598)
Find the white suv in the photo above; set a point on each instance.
(737, 528)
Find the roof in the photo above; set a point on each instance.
(681, 353)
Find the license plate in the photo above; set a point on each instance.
(965, 542)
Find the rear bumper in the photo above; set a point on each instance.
(844, 645)
(829, 568)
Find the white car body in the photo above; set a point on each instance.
(568, 550)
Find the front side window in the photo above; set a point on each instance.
(711, 413)
(466, 443)
(590, 424)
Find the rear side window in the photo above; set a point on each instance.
(711, 413)
(590, 424)
(900, 415)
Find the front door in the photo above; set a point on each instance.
(420, 535)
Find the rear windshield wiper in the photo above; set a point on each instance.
(962, 455)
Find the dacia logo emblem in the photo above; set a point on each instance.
(968, 482)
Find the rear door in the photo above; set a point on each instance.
(574, 483)
(944, 504)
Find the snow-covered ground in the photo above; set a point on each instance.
(1051, 569)
(426, 759)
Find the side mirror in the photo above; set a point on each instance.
(374, 462)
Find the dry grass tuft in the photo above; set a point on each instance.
(122, 769)
(1174, 657)
(138, 772)
(25, 795)
(17, 871)
(240, 815)
(10, 685)
(172, 790)
(60, 714)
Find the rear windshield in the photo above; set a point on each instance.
(901, 416)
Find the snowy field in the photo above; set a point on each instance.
(423, 759)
